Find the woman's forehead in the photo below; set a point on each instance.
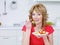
(36, 11)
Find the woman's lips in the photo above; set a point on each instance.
(36, 20)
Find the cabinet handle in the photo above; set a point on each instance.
(5, 38)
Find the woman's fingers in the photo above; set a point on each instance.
(41, 36)
(28, 24)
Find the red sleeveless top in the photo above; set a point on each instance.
(38, 41)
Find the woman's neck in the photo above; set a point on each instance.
(38, 27)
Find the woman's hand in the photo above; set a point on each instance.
(42, 35)
(28, 24)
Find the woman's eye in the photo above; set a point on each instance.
(39, 14)
(33, 14)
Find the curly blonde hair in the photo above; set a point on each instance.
(39, 8)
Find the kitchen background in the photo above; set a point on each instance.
(13, 14)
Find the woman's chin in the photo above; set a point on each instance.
(37, 23)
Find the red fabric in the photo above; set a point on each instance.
(49, 29)
(38, 41)
(24, 28)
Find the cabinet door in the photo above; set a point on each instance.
(58, 36)
(8, 32)
(55, 37)
(19, 37)
(8, 41)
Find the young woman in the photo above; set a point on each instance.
(37, 22)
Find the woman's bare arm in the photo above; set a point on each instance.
(48, 41)
(51, 39)
(26, 37)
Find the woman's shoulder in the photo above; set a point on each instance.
(24, 28)
(49, 28)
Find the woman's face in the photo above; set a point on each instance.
(37, 17)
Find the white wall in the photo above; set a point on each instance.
(13, 15)
(21, 12)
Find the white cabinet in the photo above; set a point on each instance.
(8, 41)
(56, 36)
(8, 32)
(19, 37)
(10, 36)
